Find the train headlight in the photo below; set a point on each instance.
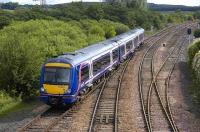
(42, 90)
(68, 91)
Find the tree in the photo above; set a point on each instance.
(95, 12)
(4, 21)
(25, 46)
(197, 33)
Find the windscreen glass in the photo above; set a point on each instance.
(56, 75)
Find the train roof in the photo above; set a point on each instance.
(95, 49)
(128, 35)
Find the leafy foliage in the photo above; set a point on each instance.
(132, 16)
(195, 72)
(192, 50)
(26, 45)
(197, 33)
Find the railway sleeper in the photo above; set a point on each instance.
(105, 119)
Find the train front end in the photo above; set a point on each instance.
(57, 86)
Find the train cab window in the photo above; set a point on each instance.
(101, 63)
(55, 75)
(129, 46)
(84, 73)
(115, 54)
(122, 50)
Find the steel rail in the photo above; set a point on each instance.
(167, 83)
(117, 96)
(154, 84)
(148, 124)
(73, 108)
(91, 125)
(55, 120)
(33, 121)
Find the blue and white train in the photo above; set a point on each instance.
(64, 78)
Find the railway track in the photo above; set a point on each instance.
(104, 117)
(105, 111)
(52, 117)
(150, 92)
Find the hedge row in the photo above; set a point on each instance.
(192, 50)
(194, 64)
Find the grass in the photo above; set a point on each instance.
(150, 33)
(10, 105)
(194, 88)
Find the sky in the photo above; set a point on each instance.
(172, 2)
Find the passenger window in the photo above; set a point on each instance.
(84, 73)
(122, 48)
(101, 63)
(115, 54)
(129, 46)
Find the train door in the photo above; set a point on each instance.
(136, 42)
(84, 74)
(115, 55)
(141, 36)
(133, 45)
(122, 52)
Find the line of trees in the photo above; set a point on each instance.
(133, 17)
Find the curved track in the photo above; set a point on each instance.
(149, 82)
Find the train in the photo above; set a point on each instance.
(67, 77)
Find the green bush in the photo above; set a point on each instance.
(195, 74)
(4, 21)
(26, 45)
(192, 50)
(197, 33)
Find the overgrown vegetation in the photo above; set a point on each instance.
(12, 104)
(193, 49)
(194, 64)
(6, 102)
(30, 35)
(197, 33)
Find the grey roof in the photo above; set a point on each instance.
(93, 50)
